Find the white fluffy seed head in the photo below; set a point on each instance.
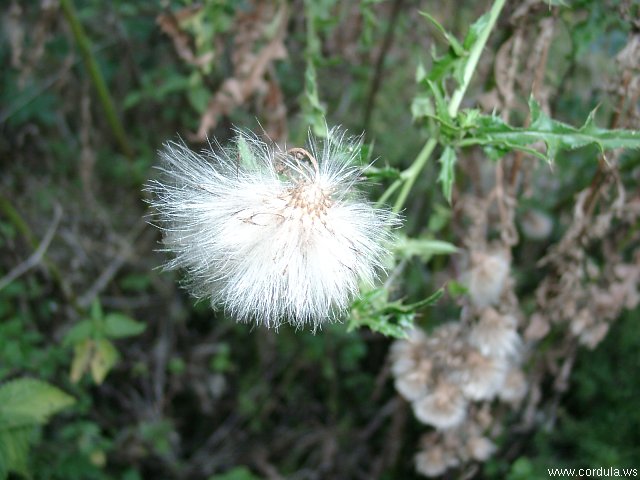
(271, 235)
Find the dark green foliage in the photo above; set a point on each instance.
(109, 371)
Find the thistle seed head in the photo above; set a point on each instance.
(268, 234)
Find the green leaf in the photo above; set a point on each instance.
(453, 42)
(392, 319)
(82, 330)
(14, 451)
(492, 131)
(399, 307)
(82, 353)
(236, 473)
(118, 325)
(96, 310)
(425, 248)
(105, 356)
(31, 400)
(384, 173)
(475, 31)
(370, 311)
(313, 111)
(422, 106)
(447, 171)
(247, 158)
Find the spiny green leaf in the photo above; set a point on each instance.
(447, 171)
(369, 311)
(392, 319)
(384, 173)
(425, 248)
(31, 399)
(314, 112)
(494, 132)
(453, 42)
(475, 30)
(399, 307)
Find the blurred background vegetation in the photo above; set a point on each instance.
(159, 387)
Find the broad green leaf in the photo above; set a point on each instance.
(82, 354)
(104, 358)
(81, 331)
(199, 96)
(35, 400)
(447, 171)
(14, 450)
(425, 248)
(118, 325)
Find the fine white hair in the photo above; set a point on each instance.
(268, 234)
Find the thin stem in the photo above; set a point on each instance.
(379, 68)
(388, 192)
(474, 56)
(7, 208)
(413, 172)
(84, 45)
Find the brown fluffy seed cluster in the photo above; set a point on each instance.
(443, 375)
(442, 450)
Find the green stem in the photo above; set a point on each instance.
(84, 45)
(410, 175)
(413, 172)
(474, 56)
(388, 192)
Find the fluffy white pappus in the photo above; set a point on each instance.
(496, 335)
(445, 407)
(515, 386)
(435, 461)
(481, 377)
(480, 448)
(415, 383)
(407, 353)
(487, 278)
(271, 235)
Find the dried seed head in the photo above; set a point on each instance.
(487, 278)
(495, 335)
(434, 461)
(445, 407)
(536, 225)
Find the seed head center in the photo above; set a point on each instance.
(309, 198)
